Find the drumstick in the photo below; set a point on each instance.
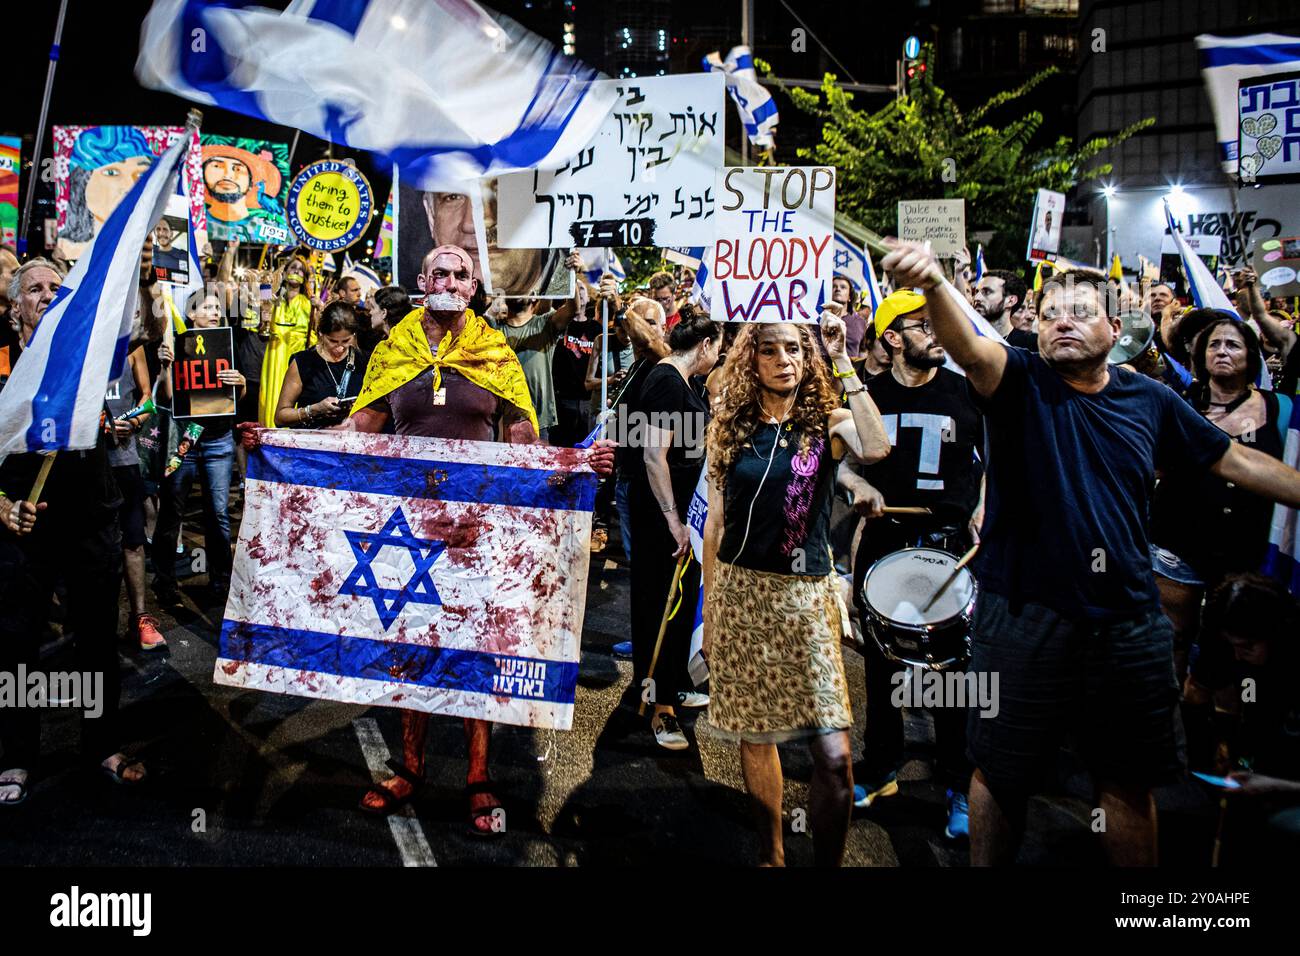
(905, 511)
(673, 588)
(965, 560)
(39, 486)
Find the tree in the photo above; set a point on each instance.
(923, 146)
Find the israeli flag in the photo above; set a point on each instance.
(696, 514)
(459, 93)
(979, 262)
(700, 290)
(874, 296)
(1283, 560)
(195, 284)
(754, 103)
(977, 321)
(1225, 61)
(850, 262)
(56, 391)
(600, 261)
(366, 277)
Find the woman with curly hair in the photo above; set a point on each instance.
(771, 614)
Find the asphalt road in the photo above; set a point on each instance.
(250, 778)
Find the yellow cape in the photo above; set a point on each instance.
(479, 353)
(291, 332)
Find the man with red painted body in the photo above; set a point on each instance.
(458, 380)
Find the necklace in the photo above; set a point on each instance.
(339, 386)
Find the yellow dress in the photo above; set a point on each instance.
(291, 332)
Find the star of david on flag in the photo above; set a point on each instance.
(390, 602)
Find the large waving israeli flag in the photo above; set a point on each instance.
(753, 102)
(56, 392)
(1225, 61)
(448, 577)
(440, 88)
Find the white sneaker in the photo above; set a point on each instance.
(668, 733)
(692, 698)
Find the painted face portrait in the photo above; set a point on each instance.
(226, 179)
(108, 185)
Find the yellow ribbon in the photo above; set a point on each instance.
(198, 345)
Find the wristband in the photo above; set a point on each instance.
(838, 374)
(849, 393)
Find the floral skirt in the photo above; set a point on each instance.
(775, 670)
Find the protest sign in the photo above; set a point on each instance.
(246, 186)
(96, 166)
(1277, 263)
(10, 149)
(1268, 129)
(441, 576)
(330, 205)
(171, 244)
(1045, 226)
(201, 355)
(772, 259)
(645, 179)
(941, 222)
(426, 220)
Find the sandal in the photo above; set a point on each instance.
(117, 774)
(22, 791)
(489, 811)
(391, 801)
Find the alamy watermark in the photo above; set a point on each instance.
(916, 687)
(75, 689)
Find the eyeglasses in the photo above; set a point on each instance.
(923, 326)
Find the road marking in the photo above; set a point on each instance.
(407, 832)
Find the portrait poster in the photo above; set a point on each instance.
(246, 187)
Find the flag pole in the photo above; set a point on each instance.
(40, 131)
(39, 485)
(604, 359)
(673, 586)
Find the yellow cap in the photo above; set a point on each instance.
(898, 303)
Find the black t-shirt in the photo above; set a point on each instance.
(667, 401)
(1023, 339)
(250, 350)
(936, 431)
(1069, 486)
(629, 392)
(776, 513)
(322, 379)
(569, 361)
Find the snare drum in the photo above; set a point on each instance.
(897, 587)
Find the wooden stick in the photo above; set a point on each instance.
(663, 624)
(965, 560)
(909, 510)
(44, 473)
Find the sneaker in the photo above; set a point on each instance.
(599, 540)
(887, 786)
(692, 698)
(623, 649)
(151, 639)
(958, 816)
(668, 733)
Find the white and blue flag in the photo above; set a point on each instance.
(1225, 61)
(441, 88)
(850, 262)
(700, 290)
(1205, 291)
(601, 260)
(448, 577)
(753, 102)
(874, 296)
(979, 262)
(1283, 560)
(56, 392)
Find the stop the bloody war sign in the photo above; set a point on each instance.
(774, 252)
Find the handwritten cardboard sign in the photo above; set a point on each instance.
(773, 255)
(941, 221)
(645, 179)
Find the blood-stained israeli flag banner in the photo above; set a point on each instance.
(443, 576)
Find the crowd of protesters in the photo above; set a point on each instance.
(1050, 447)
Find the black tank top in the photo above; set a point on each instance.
(787, 529)
(322, 379)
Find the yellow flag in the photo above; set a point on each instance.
(1038, 277)
(479, 353)
(1116, 270)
